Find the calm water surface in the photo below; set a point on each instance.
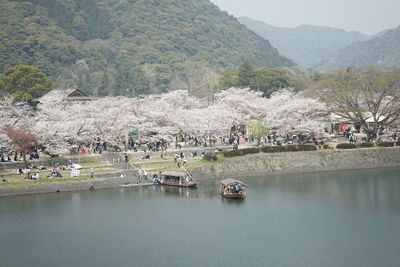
(349, 218)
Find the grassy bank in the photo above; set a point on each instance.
(18, 180)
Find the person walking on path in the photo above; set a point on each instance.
(126, 159)
(91, 172)
(140, 173)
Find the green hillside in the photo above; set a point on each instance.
(128, 47)
(383, 51)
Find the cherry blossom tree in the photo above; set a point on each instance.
(291, 113)
(215, 119)
(246, 103)
(60, 124)
(21, 139)
(13, 115)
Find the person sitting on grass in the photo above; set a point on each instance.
(28, 176)
(55, 173)
(145, 157)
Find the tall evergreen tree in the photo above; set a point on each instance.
(104, 87)
(25, 83)
(140, 85)
(246, 75)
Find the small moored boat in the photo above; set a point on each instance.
(231, 188)
(175, 178)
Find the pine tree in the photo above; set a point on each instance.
(104, 88)
(246, 75)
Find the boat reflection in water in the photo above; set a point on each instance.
(173, 191)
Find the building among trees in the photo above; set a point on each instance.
(69, 94)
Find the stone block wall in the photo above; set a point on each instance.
(300, 162)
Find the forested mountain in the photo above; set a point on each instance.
(383, 50)
(128, 46)
(307, 45)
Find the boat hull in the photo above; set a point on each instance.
(234, 195)
(179, 185)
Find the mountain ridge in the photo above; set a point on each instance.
(306, 44)
(383, 51)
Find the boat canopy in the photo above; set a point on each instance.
(230, 182)
(174, 173)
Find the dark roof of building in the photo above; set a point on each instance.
(76, 93)
(68, 94)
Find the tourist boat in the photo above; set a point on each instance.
(231, 188)
(175, 178)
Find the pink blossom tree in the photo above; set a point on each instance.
(291, 113)
(246, 103)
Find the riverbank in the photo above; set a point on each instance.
(63, 186)
(255, 164)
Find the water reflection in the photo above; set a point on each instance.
(233, 201)
(322, 219)
(366, 189)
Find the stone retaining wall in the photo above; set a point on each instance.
(300, 162)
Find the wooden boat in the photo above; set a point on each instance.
(231, 188)
(175, 178)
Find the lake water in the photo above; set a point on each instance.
(349, 218)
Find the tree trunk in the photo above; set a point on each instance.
(371, 131)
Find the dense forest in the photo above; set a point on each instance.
(266, 80)
(129, 47)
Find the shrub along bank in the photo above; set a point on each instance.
(365, 145)
(269, 149)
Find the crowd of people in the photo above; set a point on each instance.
(350, 133)
(7, 157)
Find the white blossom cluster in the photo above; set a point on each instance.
(61, 124)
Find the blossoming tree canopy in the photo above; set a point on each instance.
(21, 139)
(13, 114)
(247, 103)
(60, 124)
(291, 113)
